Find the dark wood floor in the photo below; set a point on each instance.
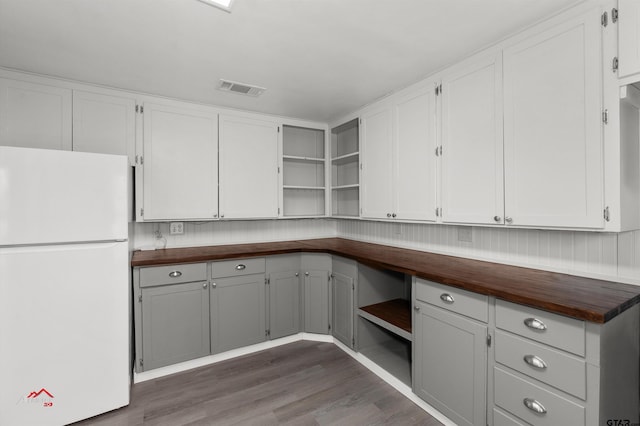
(302, 383)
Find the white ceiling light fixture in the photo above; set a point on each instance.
(221, 4)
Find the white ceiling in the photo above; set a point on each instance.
(318, 59)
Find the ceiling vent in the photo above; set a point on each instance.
(240, 88)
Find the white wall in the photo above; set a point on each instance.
(602, 255)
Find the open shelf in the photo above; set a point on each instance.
(345, 169)
(308, 159)
(352, 157)
(393, 315)
(388, 350)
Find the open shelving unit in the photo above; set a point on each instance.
(384, 331)
(345, 170)
(303, 174)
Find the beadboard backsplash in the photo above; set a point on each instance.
(595, 254)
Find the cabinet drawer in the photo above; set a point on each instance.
(558, 369)
(463, 302)
(236, 267)
(173, 274)
(512, 394)
(501, 418)
(556, 330)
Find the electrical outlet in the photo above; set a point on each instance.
(465, 234)
(176, 228)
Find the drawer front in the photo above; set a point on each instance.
(463, 302)
(513, 394)
(558, 369)
(237, 267)
(555, 330)
(501, 418)
(173, 274)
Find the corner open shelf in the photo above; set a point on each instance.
(345, 170)
(393, 315)
(303, 174)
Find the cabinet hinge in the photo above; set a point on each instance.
(141, 362)
(438, 211)
(278, 129)
(329, 277)
(353, 286)
(439, 151)
(605, 116)
(614, 64)
(439, 90)
(267, 333)
(267, 281)
(140, 109)
(606, 214)
(278, 210)
(137, 108)
(489, 340)
(278, 169)
(353, 342)
(329, 327)
(140, 299)
(604, 19)
(141, 212)
(614, 15)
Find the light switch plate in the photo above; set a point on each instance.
(465, 234)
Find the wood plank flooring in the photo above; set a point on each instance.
(301, 383)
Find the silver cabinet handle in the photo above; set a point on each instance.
(204, 285)
(393, 215)
(221, 216)
(535, 324)
(446, 298)
(214, 285)
(306, 273)
(240, 267)
(497, 218)
(175, 274)
(416, 308)
(535, 362)
(508, 219)
(297, 274)
(534, 406)
(215, 215)
(388, 214)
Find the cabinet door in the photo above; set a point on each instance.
(248, 168)
(175, 323)
(316, 302)
(628, 37)
(34, 115)
(238, 316)
(104, 124)
(414, 156)
(377, 176)
(472, 177)
(284, 303)
(180, 163)
(553, 127)
(342, 308)
(450, 364)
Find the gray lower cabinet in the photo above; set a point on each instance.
(171, 315)
(342, 292)
(284, 303)
(450, 357)
(238, 311)
(316, 302)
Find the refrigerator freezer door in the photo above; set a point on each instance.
(51, 196)
(64, 332)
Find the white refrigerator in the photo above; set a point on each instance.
(64, 286)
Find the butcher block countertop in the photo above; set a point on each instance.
(583, 298)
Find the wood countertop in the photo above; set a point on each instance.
(583, 298)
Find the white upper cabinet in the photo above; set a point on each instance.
(104, 124)
(248, 168)
(34, 115)
(628, 37)
(553, 127)
(414, 160)
(398, 157)
(180, 163)
(471, 156)
(377, 175)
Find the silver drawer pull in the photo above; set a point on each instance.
(535, 324)
(240, 267)
(175, 274)
(535, 362)
(534, 406)
(446, 298)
